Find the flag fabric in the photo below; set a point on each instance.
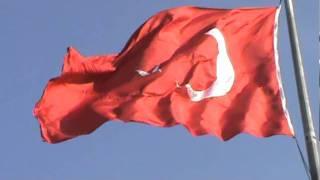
(213, 71)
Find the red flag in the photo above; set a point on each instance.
(213, 71)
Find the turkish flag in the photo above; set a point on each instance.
(214, 71)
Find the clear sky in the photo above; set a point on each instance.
(34, 35)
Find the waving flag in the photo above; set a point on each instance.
(213, 71)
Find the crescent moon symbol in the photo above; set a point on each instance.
(225, 72)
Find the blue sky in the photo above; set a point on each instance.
(34, 35)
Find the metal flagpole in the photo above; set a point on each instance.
(309, 132)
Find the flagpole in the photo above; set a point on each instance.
(309, 132)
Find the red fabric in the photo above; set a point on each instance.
(93, 90)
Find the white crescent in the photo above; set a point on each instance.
(225, 72)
